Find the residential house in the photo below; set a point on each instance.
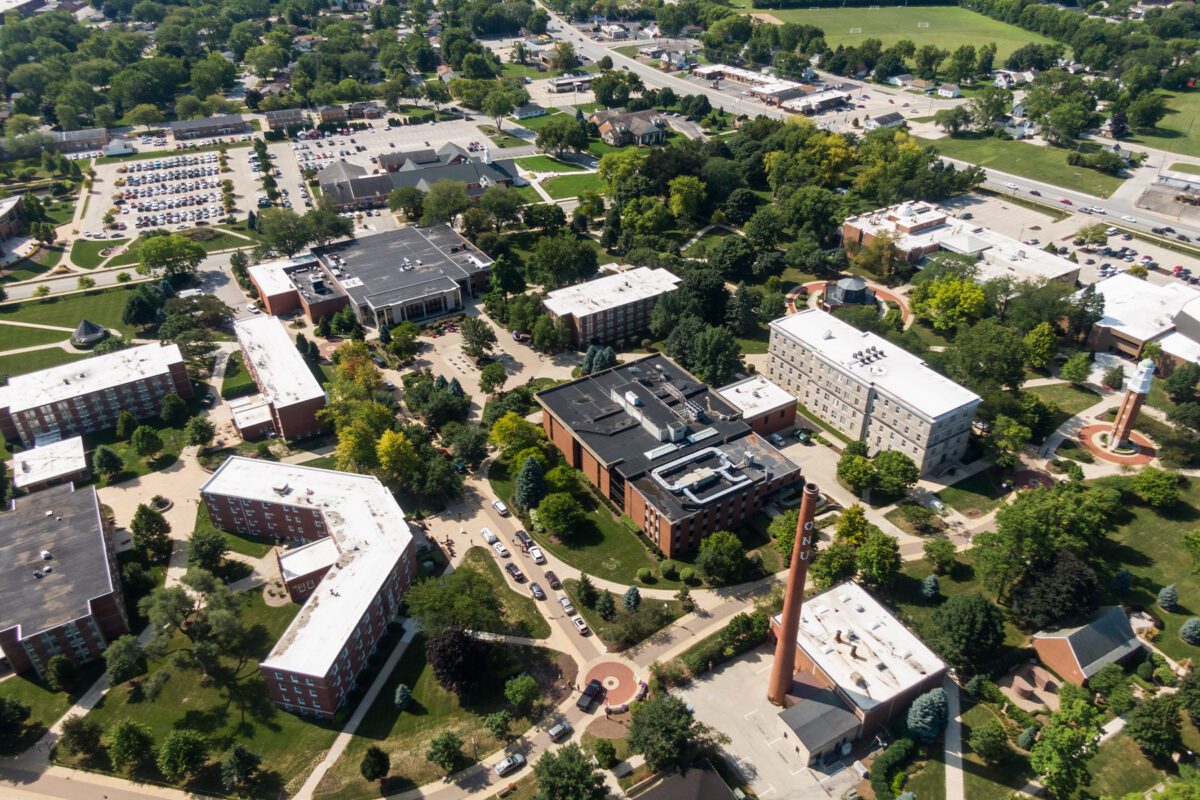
(619, 127)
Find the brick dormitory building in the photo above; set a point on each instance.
(349, 560)
(89, 395)
(666, 451)
(61, 591)
(289, 397)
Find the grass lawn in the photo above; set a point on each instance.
(501, 138)
(101, 306)
(927, 778)
(706, 242)
(253, 546)
(976, 495)
(45, 706)
(1176, 132)
(546, 164)
(945, 27)
(527, 193)
(60, 212)
(1180, 166)
(983, 781)
(406, 735)
(588, 108)
(607, 630)
(14, 336)
(897, 518)
(571, 185)
(1118, 768)
(511, 70)
(86, 252)
(1158, 396)
(603, 547)
(34, 360)
(41, 262)
(1070, 398)
(537, 123)
(519, 612)
(1048, 164)
(208, 238)
(288, 744)
(755, 341)
(135, 465)
(237, 381)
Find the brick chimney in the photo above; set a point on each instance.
(789, 623)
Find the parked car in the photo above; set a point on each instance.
(565, 602)
(553, 580)
(500, 549)
(537, 555)
(514, 572)
(777, 440)
(559, 730)
(537, 592)
(511, 764)
(524, 538)
(580, 625)
(488, 536)
(501, 509)
(592, 693)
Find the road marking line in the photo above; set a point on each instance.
(747, 716)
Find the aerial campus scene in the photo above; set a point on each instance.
(565, 400)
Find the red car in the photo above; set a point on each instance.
(1066, 202)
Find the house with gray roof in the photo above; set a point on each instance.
(76, 141)
(220, 125)
(1078, 652)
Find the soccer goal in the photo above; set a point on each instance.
(922, 24)
(856, 30)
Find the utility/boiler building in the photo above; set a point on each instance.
(765, 406)
(88, 395)
(666, 451)
(299, 284)
(611, 308)
(856, 668)
(870, 389)
(289, 396)
(50, 464)
(352, 559)
(62, 594)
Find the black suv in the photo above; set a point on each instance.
(524, 538)
(591, 694)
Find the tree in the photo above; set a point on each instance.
(81, 736)
(560, 135)
(182, 753)
(931, 587)
(499, 724)
(124, 659)
(407, 199)
(878, 559)
(1048, 592)
(990, 741)
(513, 433)
(1168, 597)
(561, 259)
(492, 378)
(1067, 742)
(239, 770)
(146, 441)
(198, 432)
(444, 201)
(857, 471)
(722, 558)
(1155, 487)
(1077, 368)
(969, 630)
(953, 120)
(207, 549)
(606, 605)
(834, 564)
(561, 514)
(478, 338)
(927, 715)
(895, 473)
(60, 673)
(1007, 439)
(567, 774)
(151, 532)
(715, 356)
(144, 114)
(498, 105)
(169, 256)
(531, 485)
(988, 354)
(1189, 631)
(1040, 345)
(940, 555)
(686, 196)
(445, 750)
(950, 302)
(435, 92)
(375, 763)
(631, 601)
(1155, 725)
(455, 658)
(663, 730)
(522, 692)
(397, 458)
(174, 410)
(1145, 112)
(283, 231)
(127, 423)
(128, 743)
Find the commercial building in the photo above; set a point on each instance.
(89, 395)
(332, 113)
(286, 118)
(856, 668)
(765, 406)
(51, 464)
(289, 396)
(62, 594)
(299, 284)
(920, 229)
(571, 83)
(12, 220)
(1077, 652)
(354, 583)
(80, 140)
(817, 102)
(220, 125)
(611, 308)
(1137, 312)
(891, 120)
(665, 450)
(871, 390)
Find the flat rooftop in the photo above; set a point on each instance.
(66, 522)
(403, 265)
(895, 371)
(272, 277)
(756, 395)
(364, 521)
(95, 374)
(48, 462)
(861, 647)
(657, 425)
(250, 411)
(611, 291)
(283, 374)
(307, 559)
(1140, 309)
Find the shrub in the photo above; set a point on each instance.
(644, 574)
(668, 569)
(931, 588)
(1026, 739)
(974, 686)
(1122, 581)
(1168, 597)
(894, 758)
(990, 741)
(1190, 631)
(687, 574)
(605, 752)
(1145, 671)
(375, 763)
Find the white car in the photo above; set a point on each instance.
(501, 509)
(488, 536)
(1099, 210)
(510, 764)
(1012, 186)
(1128, 218)
(580, 625)
(253, 309)
(537, 555)
(565, 602)
(500, 549)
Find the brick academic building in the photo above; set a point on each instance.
(670, 454)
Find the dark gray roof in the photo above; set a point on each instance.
(819, 718)
(1104, 638)
(285, 113)
(88, 331)
(219, 121)
(345, 188)
(373, 266)
(82, 135)
(424, 156)
(66, 522)
(887, 119)
(339, 171)
(701, 782)
(852, 284)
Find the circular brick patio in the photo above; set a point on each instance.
(618, 681)
(1089, 437)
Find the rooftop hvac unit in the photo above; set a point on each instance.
(46, 555)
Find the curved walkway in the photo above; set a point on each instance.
(881, 292)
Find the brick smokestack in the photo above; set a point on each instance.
(789, 623)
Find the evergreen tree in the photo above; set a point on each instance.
(928, 714)
(126, 424)
(632, 599)
(1168, 597)
(587, 591)
(403, 697)
(607, 360)
(531, 484)
(1122, 581)
(589, 358)
(931, 588)
(606, 606)
(302, 344)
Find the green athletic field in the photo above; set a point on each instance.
(947, 27)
